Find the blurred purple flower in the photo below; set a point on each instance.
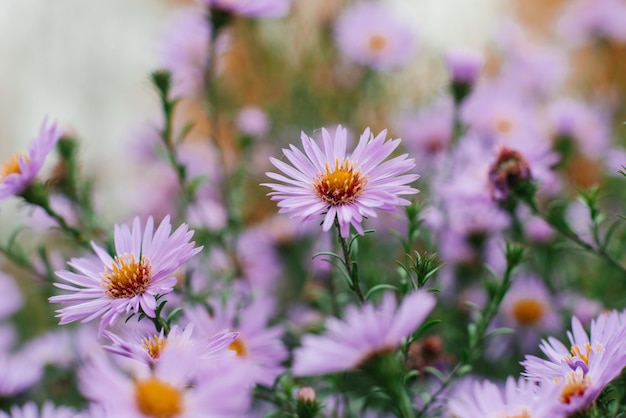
(251, 8)
(185, 51)
(464, 65)
(252, 121)
(20, 170)
(364, 332)
(370, 34)
(592, 20)
(48, 410)
(341, 187)
(519, 398)
(143, 268)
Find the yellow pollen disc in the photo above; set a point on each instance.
(575, 385)
(154, 345)
(126, 278)
(377, 43)
(523, 414)
(504, 125)
(238, 347)
(341, 185)
(528, 311)
(156, 399)
(11, 166)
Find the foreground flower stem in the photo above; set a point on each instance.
(350, 265)
(567, 232)
(478, 330)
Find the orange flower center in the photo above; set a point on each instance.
(156, 399)
(126, 278)
(528, 311)
(11, 166)
(341, 185)
(239, 347)
(154, 345)
(575, 385)
(377, 43)
(504, 125)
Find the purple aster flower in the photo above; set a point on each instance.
(520, 398)
(31, 410)
(588, 366)
(342, 187)
(148, 347)
(464, 65)
(177, 387)
(370, 34)
(258, 345)
(142, 268)
(365, 332)
(251, 8)
(20, 170)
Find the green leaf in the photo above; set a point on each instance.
(378, 288)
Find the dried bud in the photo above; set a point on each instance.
(306, 394)
(509, 175)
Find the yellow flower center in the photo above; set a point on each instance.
(504, 125)
(239, 347)
(575, 385)
(156, 399)
(11, 166)
(154, 345)
(126, 278)
(528, 311)
(377, 43)
(341, 185)
(523, 414)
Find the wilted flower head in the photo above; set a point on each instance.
(509, 174)
(370, 34)
(341, 187)
(142, 268)
(364, 333)
(19, 171)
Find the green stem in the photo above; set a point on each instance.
(350, 265)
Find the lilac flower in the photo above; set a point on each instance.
(520, 398)
(370, 34)
(177, 387)
(252, 121)
(142, 268)
(185, 51)
(31, 410)
(147, 347)
(18, 372)
(20, 170)
(258, 345)
(11, 299)
(251, 8)
(591, 363)
(364, 333)
(342, 187)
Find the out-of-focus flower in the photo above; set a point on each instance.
(11, 299)
(18, 372)
(588, 20)
(342, 188)
(427, 133)
(509, 175)
(370, 34)
(19, 171)
(588, 366)
(148, 347)
(464, 65)
(520, 398)
(252, 121)
(143, 268)
(251, 8)
(529, 309)
(363, 333)
(581, 307)
(185, 51)
(48, 410)
(258, 345)
(177, 387)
